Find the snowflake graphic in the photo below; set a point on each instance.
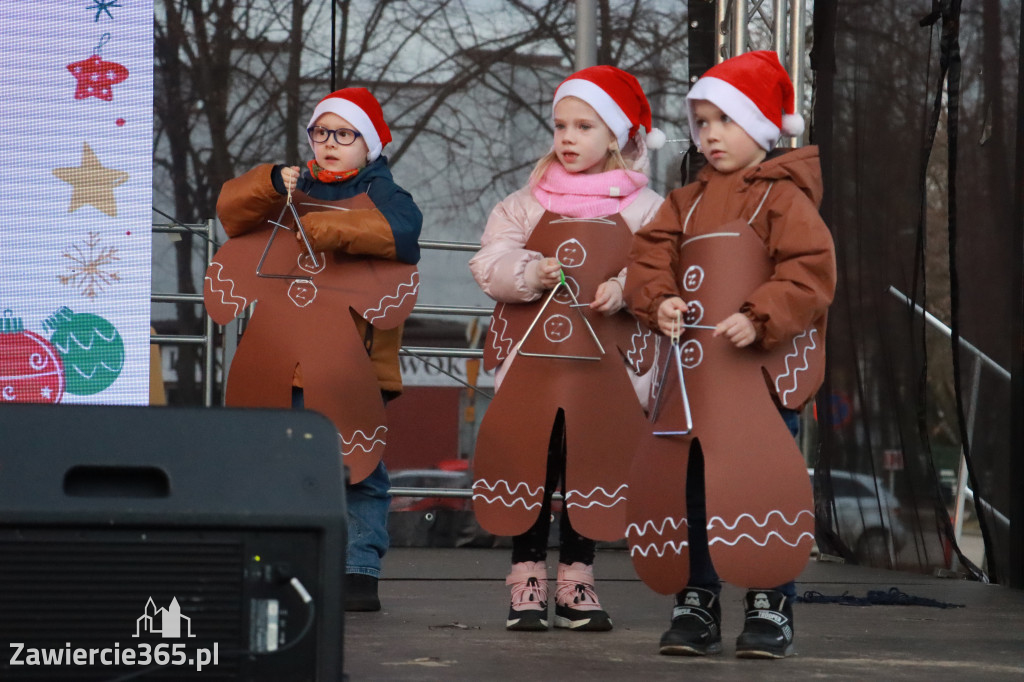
(103, 7)
(89, 269)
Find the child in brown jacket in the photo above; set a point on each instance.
(737, 112)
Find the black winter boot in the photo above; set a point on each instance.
(696, 628)
(361, 592)
(768, 630)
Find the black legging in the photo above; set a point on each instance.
(533, 544)
(702, 571)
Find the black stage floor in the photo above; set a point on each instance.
(444, 611)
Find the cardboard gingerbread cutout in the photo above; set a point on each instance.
(760, 508)
(560, 364)
(302, 318)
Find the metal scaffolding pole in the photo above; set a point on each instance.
(779, 29)
(796, 60)
(738, 39)
(721, 12)
(586, 33)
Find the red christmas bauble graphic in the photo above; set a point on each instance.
(30, 368)
(97, 77)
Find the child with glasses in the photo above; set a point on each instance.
(347, 134)
(556, 249)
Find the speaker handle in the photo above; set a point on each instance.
(87, 480)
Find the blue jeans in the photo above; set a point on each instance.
(367, 503)
(702, 571)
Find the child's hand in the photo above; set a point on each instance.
(543, 274)
(608, 298)
(738, 329)
(669, 314)
(290, 176)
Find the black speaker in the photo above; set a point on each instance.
(159, 543)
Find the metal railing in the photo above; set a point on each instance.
(963, 491)
(206, 338)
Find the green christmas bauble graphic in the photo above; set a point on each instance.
(91, 348)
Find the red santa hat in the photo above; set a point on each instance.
(617, 98)
(362, 110)
(754, 91)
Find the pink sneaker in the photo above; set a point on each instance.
(576, 604)
(529, 608)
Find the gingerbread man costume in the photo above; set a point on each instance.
(560, 365)
(759, 503)
(304, 321)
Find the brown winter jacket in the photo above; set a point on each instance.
(799, 243)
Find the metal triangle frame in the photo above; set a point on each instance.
(674, 357)
(575, 306)
(279, 226)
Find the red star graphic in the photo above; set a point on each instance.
(95, 77)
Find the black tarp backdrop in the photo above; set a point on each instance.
(1017, 398)
(916, 113)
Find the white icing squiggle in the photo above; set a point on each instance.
(812, 344)
(368, 442)
(227, 295)
(768, 537)
(716, 520)
(404, 291)
(659, 550)
(640, 531)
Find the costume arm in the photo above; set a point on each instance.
(390, 230)
(638, 214)
(247, 201)
(653, 261)
(804, 279)
(500, 265)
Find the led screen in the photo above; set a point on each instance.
(75, 198)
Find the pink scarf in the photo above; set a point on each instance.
(582, 195)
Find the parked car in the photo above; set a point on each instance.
(867, 517)
(424, 520)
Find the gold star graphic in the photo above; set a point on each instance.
(93, 183)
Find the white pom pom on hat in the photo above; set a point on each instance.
(755, 91)
(656, 139)
(617, 98)
(792, 125)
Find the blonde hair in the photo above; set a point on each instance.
(612, 161)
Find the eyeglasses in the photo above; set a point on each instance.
(343, 136)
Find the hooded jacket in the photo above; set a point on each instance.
(799, 243)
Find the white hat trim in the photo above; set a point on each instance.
(736, 106)
(354, 115)
(601, 101)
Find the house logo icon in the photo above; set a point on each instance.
(164, 622)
